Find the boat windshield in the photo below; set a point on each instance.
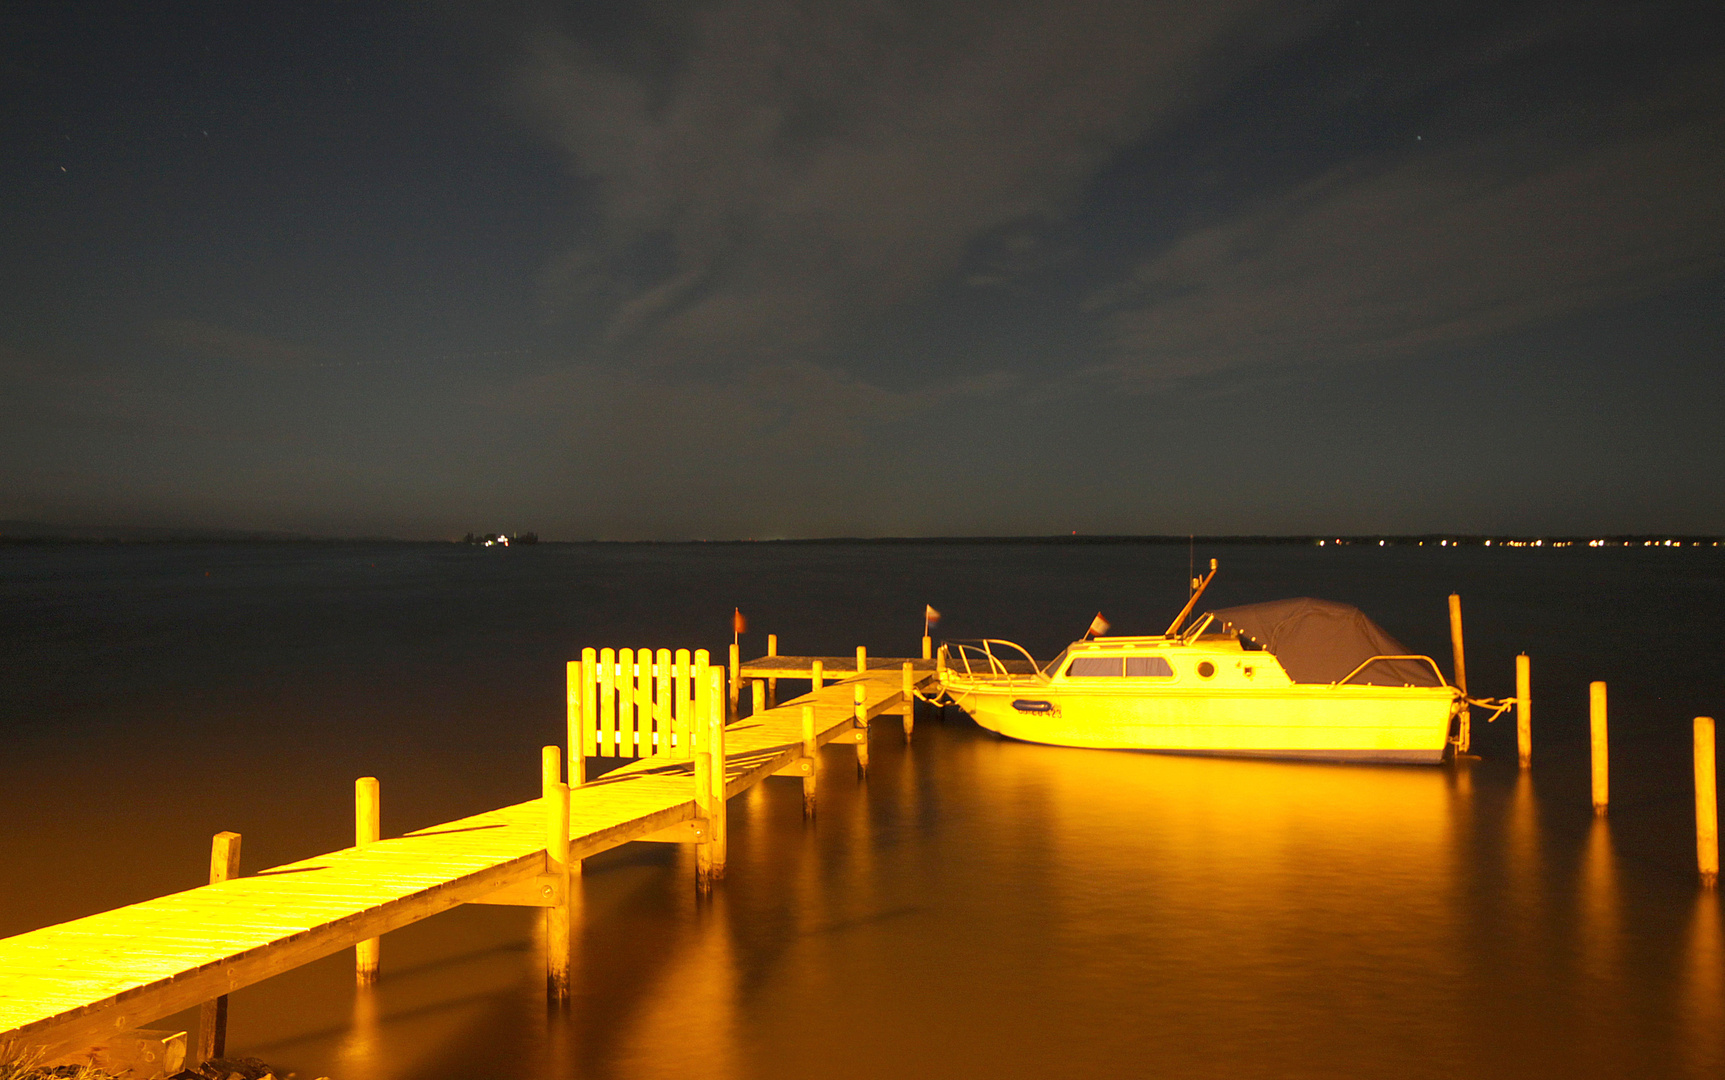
(1054, 664)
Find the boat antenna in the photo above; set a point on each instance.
(1198, 585)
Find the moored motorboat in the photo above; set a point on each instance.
(1299, 678)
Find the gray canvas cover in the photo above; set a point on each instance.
(1320, 641)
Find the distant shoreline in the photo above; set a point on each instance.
(115, 537)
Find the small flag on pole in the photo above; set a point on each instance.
(1098, 626)
(929, 618)
(739, 625)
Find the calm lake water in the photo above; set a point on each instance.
(977, 907)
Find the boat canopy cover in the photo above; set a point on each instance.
(1321, 641)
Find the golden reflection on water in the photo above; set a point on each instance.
(686, 1022)
(978, 907)
(1703, 1004)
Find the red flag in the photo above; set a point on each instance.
(929, 616)
(1098, 626)
(739, 625)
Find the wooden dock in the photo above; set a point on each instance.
(75, 989)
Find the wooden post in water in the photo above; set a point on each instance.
(816, 677)
(213, 1017)
(577, 720)
(710, 785)
(1464, 733)
(716, 743)
(1601, 749)
(861, 721)
(927, 647)
(704, 806)
(1706, 803)
(909, 692)
(772, 684)
(367, 829)
(1524, 711)
(862, 660)
(736, 678)
(557, 929)
(757, 697)
(811, 750)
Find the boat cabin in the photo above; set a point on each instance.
(1218, 660)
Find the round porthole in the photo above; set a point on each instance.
(1206, 669)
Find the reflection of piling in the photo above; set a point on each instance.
(811, 751)
(1601, 754)
(367, 829)
(213, 1017)
(556, 797)
(861, 714)
(1523, 711)
(909, 692)
(1464, 733)
(1706, 803)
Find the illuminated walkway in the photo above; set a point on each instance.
(79, 984)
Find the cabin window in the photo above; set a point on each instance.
(1206, 669)
(1148, 666)
(1087, 666)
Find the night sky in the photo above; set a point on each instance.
(857, 267)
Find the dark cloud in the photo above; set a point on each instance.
(809, 167)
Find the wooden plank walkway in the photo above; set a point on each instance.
(68, 987)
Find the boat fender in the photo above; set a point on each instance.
(1043, 707)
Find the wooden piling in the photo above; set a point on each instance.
(1706, 803)
(576, 722)
(1524, 711)
(1601, 749)
(772, 684)
(716, 744)
(557, 928)
(367, 829)
(811, 750)
(704, 805)
(862, 660)
(817, 678)
(909, 691)
(1464, 735)
(736, 684)
(758, 697)
(861, 716)
(213, 1017)
(710, 857)
(927, 647)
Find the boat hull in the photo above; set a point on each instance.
(1402, 725)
